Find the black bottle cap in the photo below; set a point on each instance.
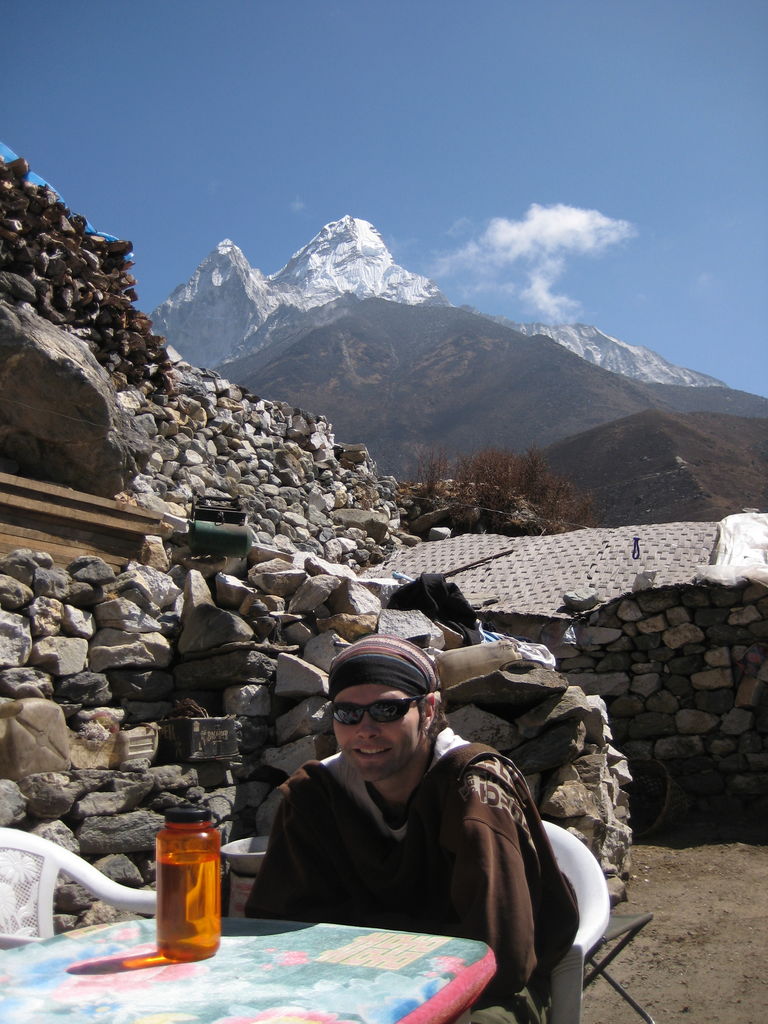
(188, 814)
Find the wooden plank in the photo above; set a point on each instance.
(17, 497)
(61, 551)
(68, 523)
(63, 556)
(118, 544)
(22, 485)
(59, 513)
(73, 529)
(69, 534)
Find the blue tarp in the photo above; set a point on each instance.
(8, 155)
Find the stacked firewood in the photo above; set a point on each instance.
(76, 279)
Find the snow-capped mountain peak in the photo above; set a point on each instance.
(228, 308)
(349, 257)
(226, 300)
(613, 354)
(338, 244)
(226, 245)
(223, 264)
(221, 300)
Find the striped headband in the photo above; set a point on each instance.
(385, 660)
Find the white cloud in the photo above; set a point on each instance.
(297, 204)
(538, 294)
(528, 257)
(461, 226)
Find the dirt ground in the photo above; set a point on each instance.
(702, 958)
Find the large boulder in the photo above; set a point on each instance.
(33, 738)
(59, 419)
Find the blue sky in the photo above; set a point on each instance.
(555, 160)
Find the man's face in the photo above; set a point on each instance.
(393, 754)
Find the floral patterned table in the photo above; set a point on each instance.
(266, 972)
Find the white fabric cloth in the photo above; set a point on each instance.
(741, 550)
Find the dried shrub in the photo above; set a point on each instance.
(432, 470)
(504, 492)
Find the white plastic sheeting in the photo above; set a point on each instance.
(741, 550)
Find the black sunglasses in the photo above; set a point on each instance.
(388, 710)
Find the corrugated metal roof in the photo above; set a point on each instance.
(529, 575)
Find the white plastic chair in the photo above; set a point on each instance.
(29, 866)
(582, 870)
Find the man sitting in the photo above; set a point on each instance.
(410, 827)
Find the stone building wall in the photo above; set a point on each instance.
(683, 671)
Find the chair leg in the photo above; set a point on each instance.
(622, 928)
(625, 995)
(627, 928)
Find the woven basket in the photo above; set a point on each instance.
(655, 799)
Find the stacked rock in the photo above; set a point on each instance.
(74, 277)
(299, 487)
(116, 656)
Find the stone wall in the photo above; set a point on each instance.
(683, 671)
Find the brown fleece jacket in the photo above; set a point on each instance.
(475, 862)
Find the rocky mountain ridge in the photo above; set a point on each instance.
(228, 309)
(219, 312)
(409, 378)
(395, 365)
(610, 353)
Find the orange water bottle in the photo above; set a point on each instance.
(188, 884)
